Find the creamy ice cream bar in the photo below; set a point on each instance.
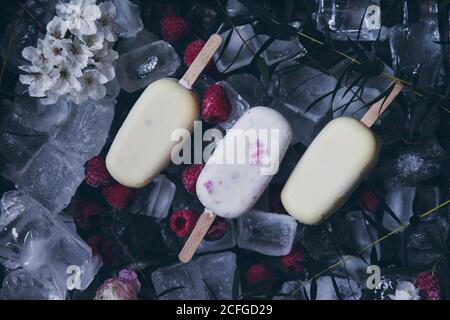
(331, 168)
(143, 145)
(244, 162)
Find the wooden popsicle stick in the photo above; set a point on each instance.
(201, 228)
(380, 106)
(201, 61)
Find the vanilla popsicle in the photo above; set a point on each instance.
(239, 170)
(333, 166)
(143, 145)
(230, 189)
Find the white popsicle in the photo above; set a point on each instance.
(143, 145)
(333, 166)
(240, 169)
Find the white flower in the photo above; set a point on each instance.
(405, 291)
(57, 28)
(107, 24)
(65, 77)
(94, 41)
(38, 82)
(80, 15)
(37, 57)
(55, 51)
(92, 85)
(78, 52)
(104, 60)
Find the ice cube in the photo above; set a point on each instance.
(36, 242)
(128, 17)
(228, 241)
(360, 234)
(86, 131)
(235, 8)
(282, 50)
(138, 68)
(303, 95)
(380, 82)
(354, 268)
(218, 270)
(351, 103)
(348, 289)
(52, 178)
(238, 105)
(155, 199)
(271, 234)
(321, 242)
(414, 48)
(249, 88)
(290, 291)
(181, 281)
(350, 18)
(412, 164)
(143, 38)
(400, 200)
(237, 50)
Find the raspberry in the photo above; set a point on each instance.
(190, 175)
(174, 28)
(369, 201)
(217, 229)
(117, 195)
(215, 105)
(183, 222)
(102, 247)
(192, 51)
(88, 214)
(429, 286)
(292, 262)
(260, 278)
(96, 173)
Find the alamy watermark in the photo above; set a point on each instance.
(256, 147)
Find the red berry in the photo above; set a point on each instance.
(190, 175)
(174, 28)
(215, 105)
(192, 51)
(217, 229)
(88, 214)
(182, 222)
(429, 286)
(117, 195)
(102, 247)
(96, 173)
(260, 278)
(369, 201)
(292, 262)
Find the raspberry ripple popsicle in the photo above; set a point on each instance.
(239, 170)
(143, 145)
(333, 165)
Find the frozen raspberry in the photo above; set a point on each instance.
(192, 51)
(183, 222)
(116, 289)
(117, 195)
(174, 28)
(215, 105)
(89, 214)
(292, 262)
(96, 173)
(369, 201)
(102, 247)
(190, 175)
(217, 229)
(429, 286)
(260, 278)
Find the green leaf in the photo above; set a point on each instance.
(336, 287)
(313, 290)
(263, 70)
